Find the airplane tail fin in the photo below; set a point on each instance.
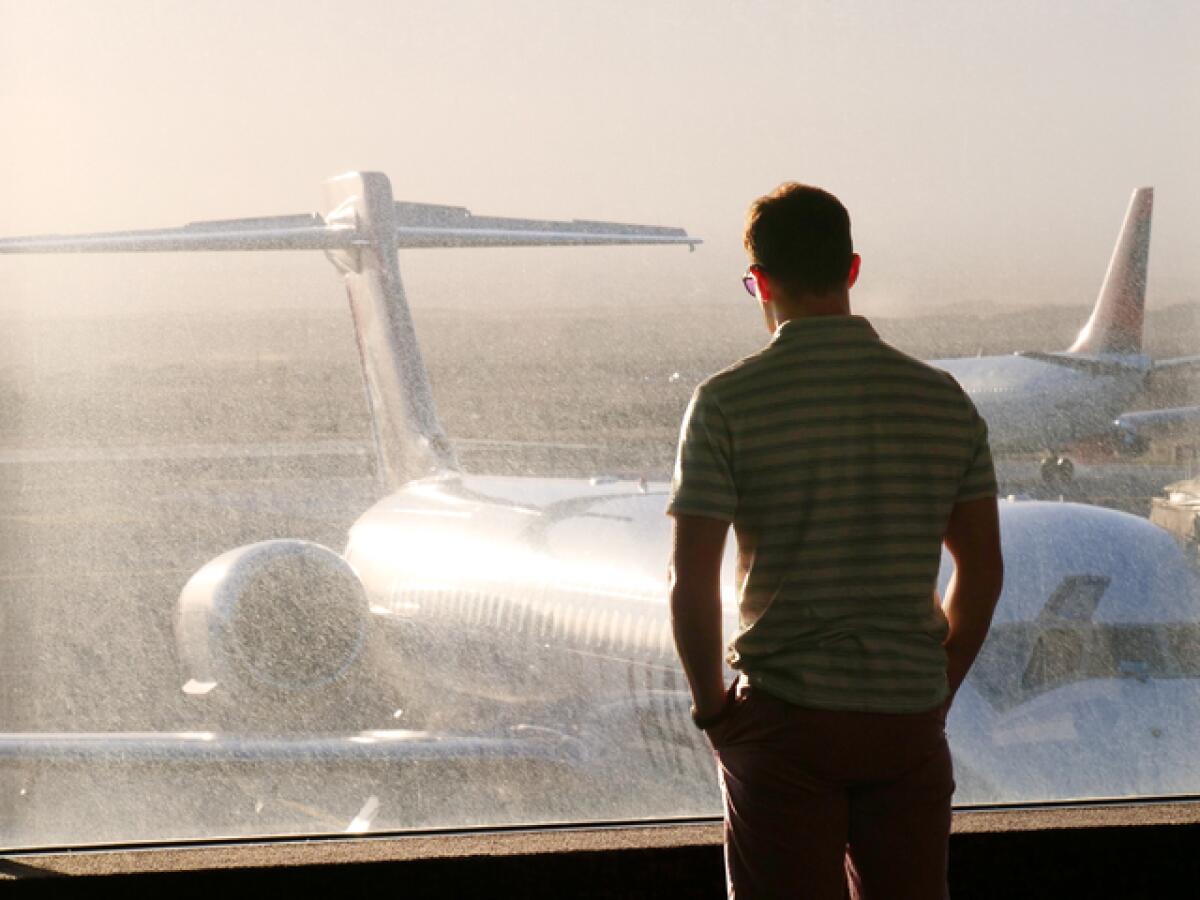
(409, 439)
(360, 235)
(1115, 326)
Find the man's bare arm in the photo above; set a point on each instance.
(697, 547)
(973, 539)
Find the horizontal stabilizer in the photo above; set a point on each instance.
(417, 225)
(427, 225)
(279, 233)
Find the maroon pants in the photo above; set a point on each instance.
(817, 799)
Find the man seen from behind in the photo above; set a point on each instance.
(842, 465)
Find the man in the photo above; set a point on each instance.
(842, 465)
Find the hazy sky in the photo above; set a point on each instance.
(986, 151)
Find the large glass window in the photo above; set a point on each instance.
(272, 563)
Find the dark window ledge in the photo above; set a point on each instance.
(1125, 850)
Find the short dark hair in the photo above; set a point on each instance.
(800, 235)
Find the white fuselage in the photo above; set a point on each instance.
(1034, 405)
(544, 601)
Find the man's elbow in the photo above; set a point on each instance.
(682, 596)
(983, 571)
(691, 597)
(995, 567)
(676, 590)
(996, 584)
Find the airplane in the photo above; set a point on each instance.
(1045, 403)
(517, 627)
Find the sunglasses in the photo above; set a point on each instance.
(748, 280)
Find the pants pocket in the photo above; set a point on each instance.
(727, 729)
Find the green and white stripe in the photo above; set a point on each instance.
(837, 459)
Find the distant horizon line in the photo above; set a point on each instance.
(546, 310)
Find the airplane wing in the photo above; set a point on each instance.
(204, 747)
(417, 225)
(1178, 362)
(202, 784)
(1139, 428)
(1092, 365)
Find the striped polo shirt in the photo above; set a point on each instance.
(837, 459)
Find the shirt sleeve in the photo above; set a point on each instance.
(980, 478)
(703, 481)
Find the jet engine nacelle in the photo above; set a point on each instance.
(284, 617)
(1128, 438)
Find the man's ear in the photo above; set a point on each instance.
(855, 265)
(762, 285)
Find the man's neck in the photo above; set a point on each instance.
(832, 304)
